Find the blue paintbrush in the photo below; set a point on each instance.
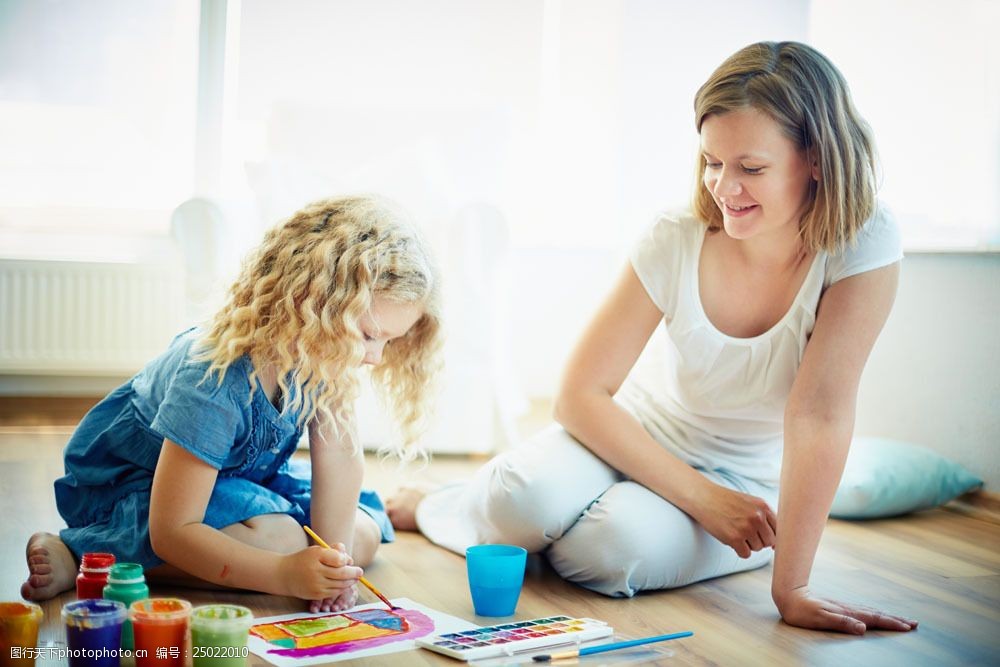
(613, 646)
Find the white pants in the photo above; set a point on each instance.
(600, 530)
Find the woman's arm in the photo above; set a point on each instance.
(182, 486)
(585, 407)
(819, 423)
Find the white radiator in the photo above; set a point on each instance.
(86, 318)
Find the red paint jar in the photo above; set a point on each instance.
(93, 577)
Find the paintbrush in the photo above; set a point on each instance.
(368, 584)
(613, 646)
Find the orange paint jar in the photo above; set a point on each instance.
(19, 633)
(160, 627)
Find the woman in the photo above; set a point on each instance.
(772, 292)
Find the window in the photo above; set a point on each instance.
(926, 75)
(572, 118)
(97, 102)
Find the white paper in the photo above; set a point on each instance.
(443, 623)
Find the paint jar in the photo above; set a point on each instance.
(496, 572)
(126, 583)
(19, 633)
(219, 634)
(160, 628)
(94, 632)
(93, 577)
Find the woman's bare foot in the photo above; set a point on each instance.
(402, 507)
(51, 568)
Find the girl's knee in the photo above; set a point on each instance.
(275, 532)
(367, 538)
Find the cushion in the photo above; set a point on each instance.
(886, 477)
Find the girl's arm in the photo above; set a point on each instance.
(337, 473)
(182, 486)
(585, 407)
(819, 423)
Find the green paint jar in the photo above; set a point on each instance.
(219, 634)
(126, 583)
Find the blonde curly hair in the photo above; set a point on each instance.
(297, 303)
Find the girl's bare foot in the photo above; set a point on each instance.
(51, 568)
(402, 507)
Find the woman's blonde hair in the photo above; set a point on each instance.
(808, 97)
(297, 305)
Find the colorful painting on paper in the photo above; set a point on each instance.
(307, 639)
(343, 632)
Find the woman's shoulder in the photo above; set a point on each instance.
(679, 220)
(882, 226)
(660, 255)
(672, 230)
(878, 243)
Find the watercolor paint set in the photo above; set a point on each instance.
(509, 638)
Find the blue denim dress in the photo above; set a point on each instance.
(110, 459)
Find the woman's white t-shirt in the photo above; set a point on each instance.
(716, 401)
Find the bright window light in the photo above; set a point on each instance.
(926, 75)
(97, 102)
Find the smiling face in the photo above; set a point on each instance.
(386, 321)
(757, 176)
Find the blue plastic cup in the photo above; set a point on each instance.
(496, 572)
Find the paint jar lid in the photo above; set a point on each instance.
(222, 617)
(93, 613)
(97, 562)
(126, 573)
(12, 609)
(159, 611)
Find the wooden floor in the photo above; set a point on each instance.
(940, 567)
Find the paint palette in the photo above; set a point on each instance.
(510, 638)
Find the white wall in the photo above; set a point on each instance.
(934, 375)
(643, 125)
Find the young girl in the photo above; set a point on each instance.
(185, 468)
(771, 293)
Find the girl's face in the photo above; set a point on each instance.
(386, 321)
(758, 177)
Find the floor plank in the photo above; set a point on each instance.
(940, 567)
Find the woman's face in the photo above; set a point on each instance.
(386, 321)
(758, 177)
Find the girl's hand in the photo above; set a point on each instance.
(316, 573)
(744, 522)
(344, 601)
(799, 607)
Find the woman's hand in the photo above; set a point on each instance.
(799, 607)
(316, 573)
(744, 522)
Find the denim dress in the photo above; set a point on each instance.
(110, 459)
